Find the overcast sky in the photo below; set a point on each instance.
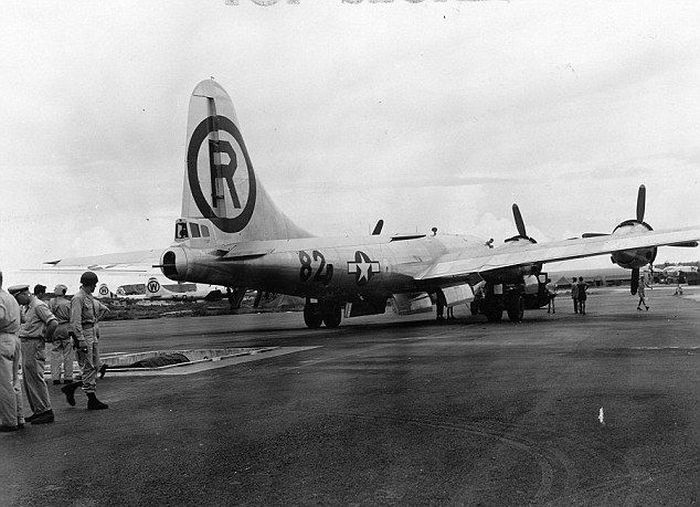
(431, 114)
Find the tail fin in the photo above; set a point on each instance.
(221, 187)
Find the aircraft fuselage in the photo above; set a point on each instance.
(341, 268)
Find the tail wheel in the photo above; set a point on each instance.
(516, 308)
(332, 317)
(312, 315)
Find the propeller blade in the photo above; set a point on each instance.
(519, 221)
(689, 244)
(641, 202)
(378, 228)
(634, 281)
(594, 234)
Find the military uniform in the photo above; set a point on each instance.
(61, 353)
(85, 314)
(10, 359)
(35, 317)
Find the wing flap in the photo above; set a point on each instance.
(556, 251)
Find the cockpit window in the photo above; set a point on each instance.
(181, 230)
(194, 228)
(205, 231)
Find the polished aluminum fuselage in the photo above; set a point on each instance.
(343, 268)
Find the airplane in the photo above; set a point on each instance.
(154, 289)
(231, 233)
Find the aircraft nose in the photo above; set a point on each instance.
(174, 263)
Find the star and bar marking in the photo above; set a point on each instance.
(363, 267)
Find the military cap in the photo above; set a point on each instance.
(16, 289)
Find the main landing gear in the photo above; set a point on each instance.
(324, 312)
(493, 304)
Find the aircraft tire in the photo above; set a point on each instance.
(516, 309)
(332, 317)
(312, 316)
(474, 308)
(494, 314)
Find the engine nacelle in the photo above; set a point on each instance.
(631, 259)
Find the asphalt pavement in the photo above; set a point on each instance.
(559, 409)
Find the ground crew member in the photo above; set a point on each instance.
(85, 313)
(38, 326)
(440, 303)
(582, 295)
(641, 292)
(61, 353)
(552, 293)
(11, 418)
(574, 293)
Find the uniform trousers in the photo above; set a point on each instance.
(10, 388)
(61, 358)
(33, 360)
(89, 361)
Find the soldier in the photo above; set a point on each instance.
(38, 326)
(641, 292)
(85, 313)
(574, 293)
(40, 291)
(582, 295)
(11, 418)
(552, 290)
(61, 353)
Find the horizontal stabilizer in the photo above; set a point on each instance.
(405, 237)
(146, 258)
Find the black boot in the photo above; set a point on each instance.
(94, 403)
(69, 391)
(44, 418)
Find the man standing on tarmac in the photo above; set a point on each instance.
(61, 354)
(574, 293)
(38, 326)
(11, 418)
(84, 315)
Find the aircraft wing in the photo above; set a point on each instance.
(466, 266)
(145, 258)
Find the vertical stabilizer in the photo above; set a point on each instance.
(221, 186)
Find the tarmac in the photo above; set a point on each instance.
(558, 409)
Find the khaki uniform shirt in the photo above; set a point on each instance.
(34, 319)
(9, 313)
(60, 307)
(85, 311)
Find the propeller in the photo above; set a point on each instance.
(378, 228)
(520, 225)
(641, 206)
(641, 202)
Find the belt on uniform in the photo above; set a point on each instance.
(31, 337)
(88, 325)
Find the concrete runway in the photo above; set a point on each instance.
(387, 410)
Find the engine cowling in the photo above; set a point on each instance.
(631, 259)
